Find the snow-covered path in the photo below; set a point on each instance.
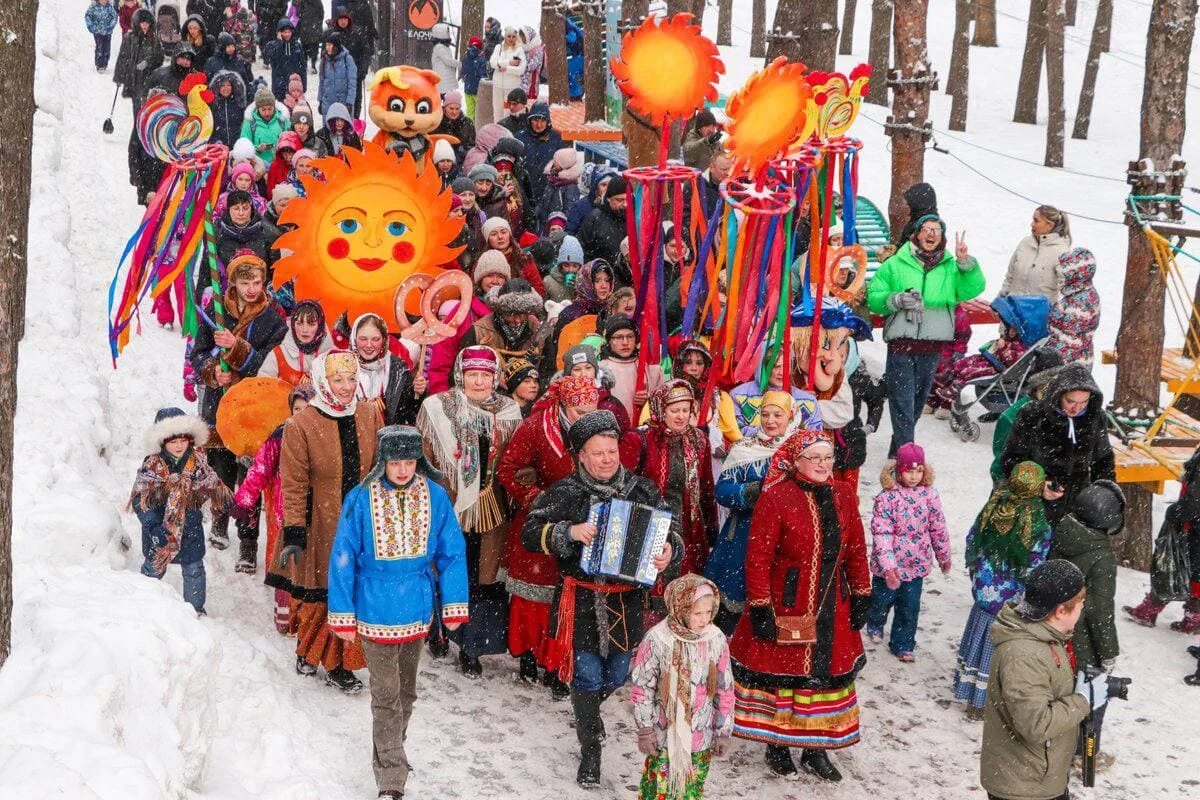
(116, 690)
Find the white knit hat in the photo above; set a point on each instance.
(491, 262)
(492, 224)
(443, 151)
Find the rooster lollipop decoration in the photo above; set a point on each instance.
(175, 237)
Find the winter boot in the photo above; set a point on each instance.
(343, 679)
(817, 762)
(558, 689)
(1194, 651)
(1146, 612)
(304, 668)
(779, 759)
(470, 665)
(587, 728)
(528, 670)
(439, 646)
(218, 534)
(1191, 617)
(247, 556)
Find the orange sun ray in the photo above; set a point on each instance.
(667, 69)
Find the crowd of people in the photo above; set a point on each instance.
(417, 499)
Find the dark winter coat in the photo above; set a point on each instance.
(515, 123)
(1041, 434)
(227, 111)
(539, 150)
(554, 511)
(578, 213)
(220, 62)
(364, 24)
(285, 59)
(312, 21)
(212, 12)
(145, 171)
(601, 233)
(555, 197)
(168, 78)
(265, 332)
(354, 44)
(400, 402)
(137, 59)
(207, 45)
(339, 80)
(472, 70)
(462, 129)
(258, 235)
(1095, 637)
(270, 13)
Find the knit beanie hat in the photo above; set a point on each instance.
(493, 224)
(483, 172)
(618, 322)
(616, 187)
(443, 151)
(517, 370)
(543, 254)
(556, 218)
(570, 251)
(453, 98)
(491, 262)
(263, 97)
(909, 456)
(283, 191)
(1048, 586)
(300, 114)
(462, 184)
(455, 202)
(580, 354)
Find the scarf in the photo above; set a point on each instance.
(373, 374)
(784, 462)
(513, 335)
(751, 450)
(242, 313)
(333, 362)
(929, 259)
(1012, 519)
(176, 487)
(690, 651)
(585, 287)
(689, 441)
(603, 491)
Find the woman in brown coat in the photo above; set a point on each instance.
(327, 449)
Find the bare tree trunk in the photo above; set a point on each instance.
(847, 45)
(1071, 8)
(805, 31)
(1057, 117)
(1101, 36)
(725, 23)
(698, 9)
(1140, 335)
(18, 18)
(1031, 64)
(910, 104)
(960, 44)
(386, 50)
(554, 37)
(472, 23)
(880, 50)
(758, 27)
(985, 23)
(959, 76)
(595, 70)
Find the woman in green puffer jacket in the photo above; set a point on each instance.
(916, 290)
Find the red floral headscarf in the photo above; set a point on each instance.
(783, 463)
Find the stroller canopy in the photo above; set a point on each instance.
(1029, 314)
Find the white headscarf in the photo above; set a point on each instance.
(324, 399)
(372, 375)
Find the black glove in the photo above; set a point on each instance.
(714, 138)
(860, 605)
(762, 622)
(751, 492)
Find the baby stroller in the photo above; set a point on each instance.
(1029, 315)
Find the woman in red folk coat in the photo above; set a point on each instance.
(808, 589)
(678, 458)
(537, 457)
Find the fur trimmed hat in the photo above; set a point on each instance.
(400, 443)
(243, 263)
(517, 296)
(491, 262)
(171, 422)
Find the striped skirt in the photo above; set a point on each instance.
(814, 719)
(974, 658)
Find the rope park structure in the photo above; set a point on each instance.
(787, 139)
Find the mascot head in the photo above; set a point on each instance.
(839, 326)
(405, 101)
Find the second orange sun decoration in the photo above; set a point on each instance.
(667, 70)
(359, 234)
(769, 113)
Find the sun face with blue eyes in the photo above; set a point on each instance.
(359, 233)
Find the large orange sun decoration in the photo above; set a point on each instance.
(667, 69)
(767, 114)
(372, 223)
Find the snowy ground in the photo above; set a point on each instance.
(116, 690)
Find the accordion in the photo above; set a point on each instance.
(628, 537)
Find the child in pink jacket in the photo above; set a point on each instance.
(907, 523)
(682, 692)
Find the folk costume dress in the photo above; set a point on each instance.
(464, 441)
(810, 536)
(327, 449)
(291, 361)
(386, 380)
(539, 444)
(738, 488)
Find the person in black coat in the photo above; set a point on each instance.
(1066, 434)
(212, 12)
(140, 55)
(602, 232)
(541, 143)
(226, 59)
(227, 106)
(285, 55)
(240, 227)
(457, 124)
(358, 43)
(145, 171)
(309, 29)
(269, 13)
(598, 621)
(169, 76)
(197, 37)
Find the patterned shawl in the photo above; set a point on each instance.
(1013, 519)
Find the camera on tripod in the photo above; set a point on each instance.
(1117, 687)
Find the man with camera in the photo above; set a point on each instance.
(1035, 701)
